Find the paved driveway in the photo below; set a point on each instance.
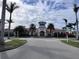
(42, 49)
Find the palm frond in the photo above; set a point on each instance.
(12, 7)
(9, 21)
(16, 7)
(65, 20)
(75, 8)
(74, 23)
(7, 8)
(75, 5)
(78, 7)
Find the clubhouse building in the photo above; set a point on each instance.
(42, 31)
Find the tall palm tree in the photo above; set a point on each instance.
(2, 23)
(10, 9)
(76, 11)
(50, 28)
(66, 27)
(32, 29)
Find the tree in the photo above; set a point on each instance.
(70, 26)
(32, 29)
(76, 11)
(66, 22)
(2, 23)
(50, 28)
(74, 24)
(64, 28)
(20, 31)
(10, 9)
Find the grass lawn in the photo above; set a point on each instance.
(14, 43)
(71, 42)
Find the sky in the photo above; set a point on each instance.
(34, 11)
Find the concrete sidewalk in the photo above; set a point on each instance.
(42, 49)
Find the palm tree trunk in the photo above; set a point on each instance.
(50, 32)
(3, 22)
(32, 32)
(66, 31)
(9, 26)
(74, 27)
(77, 26)
(70, 30)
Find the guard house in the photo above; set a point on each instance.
(42, 29)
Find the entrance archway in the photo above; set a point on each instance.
(42, 33)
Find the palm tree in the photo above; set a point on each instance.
(74, 24)
(66, 27)
(50, 28)
(10, 9)
(76, 11)
(2, 22)
(70, 26)
(32, 29)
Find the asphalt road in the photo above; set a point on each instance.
(42, 48)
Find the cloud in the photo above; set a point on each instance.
(33, 11)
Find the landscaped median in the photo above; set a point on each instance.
(14, 43)
(74, 43)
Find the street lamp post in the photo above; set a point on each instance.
(2, 22)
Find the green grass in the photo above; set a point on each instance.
(71, 42)
(14, 43)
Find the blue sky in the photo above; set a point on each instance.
(50, 11)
